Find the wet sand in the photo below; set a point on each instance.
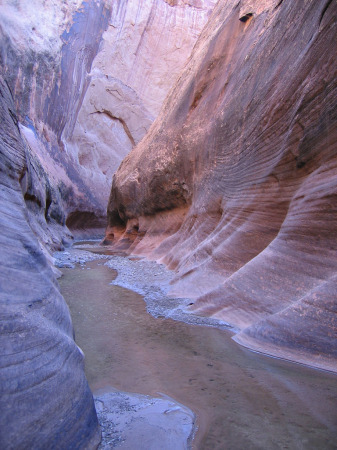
(241, 399)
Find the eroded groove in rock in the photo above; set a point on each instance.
(325, 10)
(123, 123)
(246, 145)
(45, 400)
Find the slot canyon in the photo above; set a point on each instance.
(168, 224)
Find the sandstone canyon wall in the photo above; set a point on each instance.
(45, 400)
(88, 78)
(65, 126)
(46, 56)
(235, 185)
(142, 52)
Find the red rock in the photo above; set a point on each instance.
(245, 145)
(140, 57)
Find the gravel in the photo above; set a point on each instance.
(148, 278)
(69, 258)
(152, 281)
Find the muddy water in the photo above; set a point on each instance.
(242, 400)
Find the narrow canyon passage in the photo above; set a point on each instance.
(201, 134)
(241, 399)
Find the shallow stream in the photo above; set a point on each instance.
(242, 400)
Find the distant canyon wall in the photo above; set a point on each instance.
(142, 52)
(88, 78)
(46, 55)
(235, 185)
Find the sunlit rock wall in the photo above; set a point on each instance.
(88, 79)
(143, 50)
(45, 401)
(235, 185)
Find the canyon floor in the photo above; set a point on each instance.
(240, 399)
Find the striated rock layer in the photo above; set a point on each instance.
(45, 400)
(235, 185)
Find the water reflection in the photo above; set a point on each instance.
(242, 400)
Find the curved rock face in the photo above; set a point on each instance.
(45, 400)
(235, 185)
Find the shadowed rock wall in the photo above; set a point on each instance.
(235, 185)
(45, 400)
(46, 56)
